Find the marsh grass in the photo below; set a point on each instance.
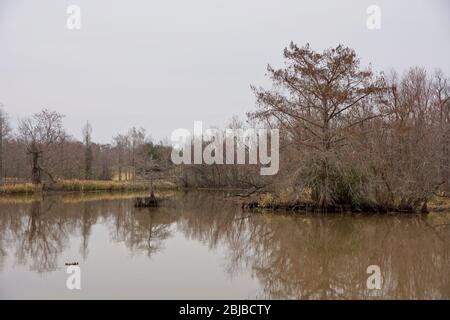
(83, 186)
(89, 186)
(20, 188)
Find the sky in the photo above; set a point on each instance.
(161, 65)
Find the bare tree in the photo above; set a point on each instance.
(5, 129)
(319, 98)
(121, 143)
(105, 165)
(154, 161)
(88, 156)
(410, 143)
(442, 102)
(40, 133)
(136, 138)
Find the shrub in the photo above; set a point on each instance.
(266, 200)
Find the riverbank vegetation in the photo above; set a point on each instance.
(351, 138)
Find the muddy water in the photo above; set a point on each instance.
(199, 246)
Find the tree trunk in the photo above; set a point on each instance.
(323, 196)
(35, 171)
(424, 209)
(88, 163)
(324, 200)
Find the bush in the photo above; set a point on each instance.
(266, 200)
(346, 186)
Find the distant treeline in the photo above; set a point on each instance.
(41, 150)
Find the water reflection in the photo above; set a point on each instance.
(293, 257)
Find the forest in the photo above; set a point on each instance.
(349, 136)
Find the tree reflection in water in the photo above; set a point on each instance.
(143, 229)
(293, 256)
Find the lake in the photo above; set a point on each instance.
(199, 245)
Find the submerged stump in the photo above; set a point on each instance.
(146, 202)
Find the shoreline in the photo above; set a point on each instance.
(439, 204)
(310, 208)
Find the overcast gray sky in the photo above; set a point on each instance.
(163, 64)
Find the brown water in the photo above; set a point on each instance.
(199, 246)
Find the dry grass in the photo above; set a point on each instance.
(439, 203)
(89, 186)
(85, 186)
(266, 200)
(20, 188)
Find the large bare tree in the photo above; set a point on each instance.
(319, 98)
(40, 133)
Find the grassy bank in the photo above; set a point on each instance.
(20, 188)
(84, 186)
